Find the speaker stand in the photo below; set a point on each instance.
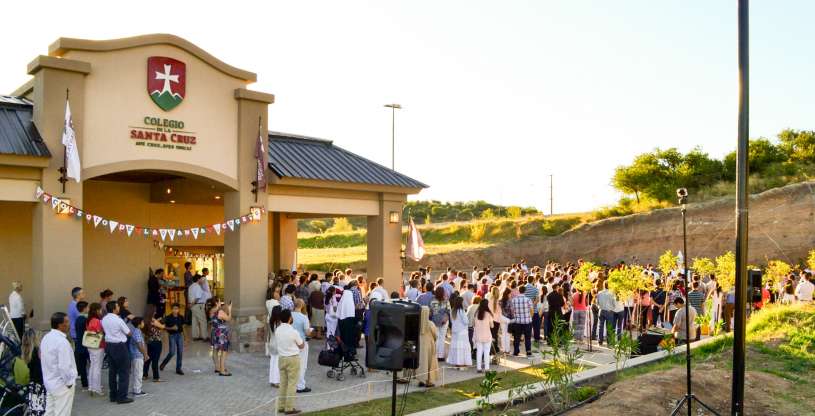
(393, 395)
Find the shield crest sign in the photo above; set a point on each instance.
(166, 81)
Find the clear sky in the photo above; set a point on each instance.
(497, 95)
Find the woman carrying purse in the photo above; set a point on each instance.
(93, 340)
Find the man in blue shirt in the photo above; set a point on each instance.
(77, 294)
(425, 298)
(301, 324)
(445, 284)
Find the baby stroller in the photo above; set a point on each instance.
(340, 356)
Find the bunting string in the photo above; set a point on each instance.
(163, 233)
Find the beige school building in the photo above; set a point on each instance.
(167, 136)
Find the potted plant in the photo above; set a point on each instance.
(704, 322)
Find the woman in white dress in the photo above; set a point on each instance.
(331, 318)
(271, 348)
(272, 300)
(460, 354)
(505, 320)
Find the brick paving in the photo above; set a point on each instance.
(201, 392)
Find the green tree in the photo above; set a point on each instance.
(698, 170)
(799, 145)
(761, 155)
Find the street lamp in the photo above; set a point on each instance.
(393, 108)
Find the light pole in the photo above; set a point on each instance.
(393, 108)
(742, 213)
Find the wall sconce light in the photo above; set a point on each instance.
(64, 207)
(393, 217)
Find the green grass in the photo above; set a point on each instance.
(354, 257)
(780, 341)
(435, 397)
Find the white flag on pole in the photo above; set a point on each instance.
(415, 245)
(69, 141)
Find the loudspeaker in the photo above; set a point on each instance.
(393, 343)
(754, 282)
(648, 343)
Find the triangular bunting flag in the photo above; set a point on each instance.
(104, 222)
(171, 232)
(54, 202)
(80, 213)
(88, 217)
(231, 225)
(217, 228)
(194, 233)
(163, 233)
(113, 225)
(121, 227)
(186, 233)
(129, 229)
(39, 192)
(96, 220)
(154, 232)
(45, 198)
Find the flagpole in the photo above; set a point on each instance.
(64, 169)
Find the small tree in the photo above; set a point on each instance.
(668, 262)
(704, 266)
(777, 271)
(582, 280)
(726, 270)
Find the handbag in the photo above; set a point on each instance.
(92, 339)
(328, 358)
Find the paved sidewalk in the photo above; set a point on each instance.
(247, 392)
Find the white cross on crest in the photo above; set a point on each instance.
(167, 77)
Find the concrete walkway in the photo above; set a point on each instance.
(247, 392)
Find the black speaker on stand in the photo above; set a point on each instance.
(393, 344)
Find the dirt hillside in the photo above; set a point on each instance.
(782, 226)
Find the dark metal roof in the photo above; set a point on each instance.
(295, 156)
(18, 135)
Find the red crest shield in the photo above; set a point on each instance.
(166, 81)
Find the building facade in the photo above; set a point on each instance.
(168, 138)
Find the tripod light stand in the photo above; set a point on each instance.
(688, 399)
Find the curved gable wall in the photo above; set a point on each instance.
(116, 102)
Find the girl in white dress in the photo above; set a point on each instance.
(460, 354)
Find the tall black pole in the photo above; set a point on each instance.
(688, 322)
(737, 398)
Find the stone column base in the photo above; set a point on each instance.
(249, 333)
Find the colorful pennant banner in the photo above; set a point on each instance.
(165, 233)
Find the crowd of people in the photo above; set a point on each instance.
(91, 336)
(468, 317)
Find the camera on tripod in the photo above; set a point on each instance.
(682, 195)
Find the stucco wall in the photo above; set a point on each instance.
(15, 249)
(121, 263)
(116, 99)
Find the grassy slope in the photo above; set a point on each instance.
(327, 251)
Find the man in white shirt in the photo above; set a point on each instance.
(680, 324)
(58, 367)
(197, 300)
(289, 344)
(474, 275)
(17, 308)
(805, 288)
(116, 333)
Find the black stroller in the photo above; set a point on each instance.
(340, 356)
(16, 399)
